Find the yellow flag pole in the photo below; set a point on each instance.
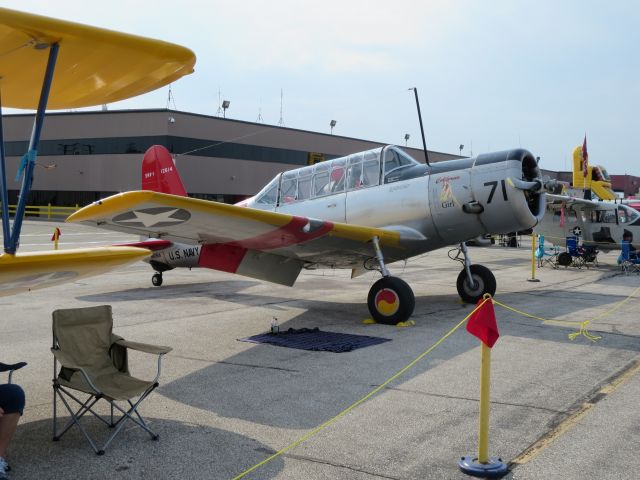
(485, 395)
(482, 465)
(56, 234)
(533, 258)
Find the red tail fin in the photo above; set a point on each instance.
(159, 173)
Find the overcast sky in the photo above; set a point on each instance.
(491, 75)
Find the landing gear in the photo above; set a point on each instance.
(474, 280)
(483, 282)
(390, 299)
(156, 279)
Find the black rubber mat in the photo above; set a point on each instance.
(315, 339)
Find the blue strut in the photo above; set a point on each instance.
(28, 161)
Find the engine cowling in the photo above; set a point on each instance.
(497, 192)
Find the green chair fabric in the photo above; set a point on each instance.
(94, 360)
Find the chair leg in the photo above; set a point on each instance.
(128, 415)
(75, 419)
(86, 407)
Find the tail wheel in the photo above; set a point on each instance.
(391, 301)
(483, 282)
(156, 279)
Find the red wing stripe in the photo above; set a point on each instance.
(291, 234)
(227, 257)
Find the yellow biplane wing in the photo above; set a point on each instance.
(28, 271)
(95, 66)
(81, 66)
(260, 244)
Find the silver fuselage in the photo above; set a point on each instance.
(430, 206)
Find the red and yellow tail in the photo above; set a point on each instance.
(159, 173)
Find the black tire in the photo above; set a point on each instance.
(156, 279)
(484, 282)
(564, 259)
(391, 312)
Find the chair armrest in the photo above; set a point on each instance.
(144, 347)
(6, 367)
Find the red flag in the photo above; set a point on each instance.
(585, 157)
(56, 233)
(483, 325)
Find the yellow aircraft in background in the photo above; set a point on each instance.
(47, 63)
(593, 178)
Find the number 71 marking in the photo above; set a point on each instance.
(494, 185)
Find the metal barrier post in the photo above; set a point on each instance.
(533, 258)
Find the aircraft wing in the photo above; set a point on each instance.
(95, 66)
(27, 271)
(261, 244)
(572, 201)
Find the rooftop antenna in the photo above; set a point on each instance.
(219, 103)
(171, 99)
(281, 121)
(260, 119)
(424, 143)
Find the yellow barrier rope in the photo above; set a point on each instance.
(363, 399)
(583, 324)
(583, 331)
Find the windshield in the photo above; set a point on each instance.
(269, 194)
(627, 215)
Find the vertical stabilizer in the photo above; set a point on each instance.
(159, 173)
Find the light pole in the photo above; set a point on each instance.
(332, 124)
(406, 139)
(225, 105)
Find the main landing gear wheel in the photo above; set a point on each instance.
(483, 282)
(156, 279)
(391, 301)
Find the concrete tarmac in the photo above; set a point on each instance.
(560, 408)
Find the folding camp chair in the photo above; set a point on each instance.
(546, 256)
(578, 255)
(629, 262)
(94, 361)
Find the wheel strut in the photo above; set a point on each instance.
(380, 257)
(467, 266)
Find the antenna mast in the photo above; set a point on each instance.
(171, 99)
(424, 143)
(260, 119)
(219, 103)
(281, 121)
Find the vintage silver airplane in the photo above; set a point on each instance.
(361, 212)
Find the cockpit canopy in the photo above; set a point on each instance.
(599, 173)
(355, 171)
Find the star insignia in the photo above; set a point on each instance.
(153, 217)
